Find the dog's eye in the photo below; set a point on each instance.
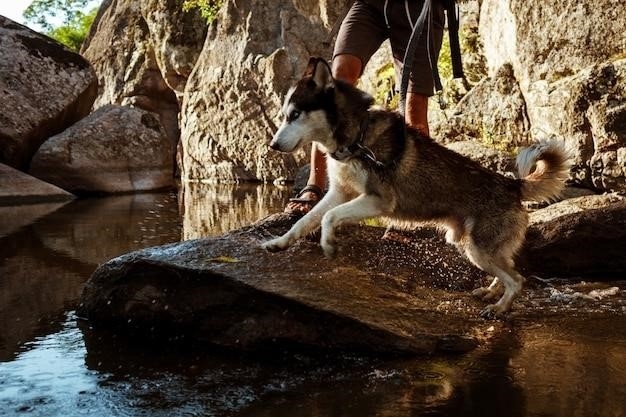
(293, 115)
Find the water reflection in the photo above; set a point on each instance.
(573, 366)
(214, 209)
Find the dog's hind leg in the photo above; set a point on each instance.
(504, 272)
(363, 207)
(306, 224)
(493, 291)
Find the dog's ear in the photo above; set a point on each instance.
(320, 72)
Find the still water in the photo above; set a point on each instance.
(51, 364)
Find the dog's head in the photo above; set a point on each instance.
(308, 109)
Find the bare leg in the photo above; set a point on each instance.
(416, 112)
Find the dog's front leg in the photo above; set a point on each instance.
(306, 224)
(363, 207)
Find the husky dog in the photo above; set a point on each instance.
(379, 167)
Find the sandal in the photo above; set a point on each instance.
(302, 205)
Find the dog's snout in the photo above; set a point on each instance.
(274, 145)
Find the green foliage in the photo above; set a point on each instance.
(384, 88)
(73, 34)
(41, 12)
(208, 8)
(75, 23)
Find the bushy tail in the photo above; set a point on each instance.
(552, 160)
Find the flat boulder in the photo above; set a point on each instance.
(115, 149)
(227, 291)
(17, 187)
(408, 295)
(578, 237)
(44, 88)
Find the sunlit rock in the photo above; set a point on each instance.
(115, 149)
(44, 88)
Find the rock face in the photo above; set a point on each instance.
(581, 34)
(143, 53)
(571, 81)
(114, 149)
(44, 88)
(495, 112)
(589, 109)
(254, 51)
(387, 296)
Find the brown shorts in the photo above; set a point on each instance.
(363, 30)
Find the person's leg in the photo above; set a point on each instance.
(421, 83)
(416, 112)
(347, 68)
(360, 35)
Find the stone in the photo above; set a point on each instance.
(589, 109)
(18, 188)
(143, 53)
(493, 113)
(580, 237)
(227, 291)
(115, 149)
(406, 296)
(254, 51)
(44, 88)
(553, 40)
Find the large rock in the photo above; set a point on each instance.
(571, 77)
(589, 109)
(19, 188)
(584, 236)
(494, 113)
(230, 292)
(44, 88)
(254, 51)
(115, 149)
(408, 295)
(143, 53)
(553, 39)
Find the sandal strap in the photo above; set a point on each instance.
(311, 188)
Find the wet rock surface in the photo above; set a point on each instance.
(408, 296)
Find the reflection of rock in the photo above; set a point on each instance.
(44, 88)
(588, 356)
(94, 230)
(12, 218)
(19, 188)
(211, 209)
(36, 284)
(114, 149)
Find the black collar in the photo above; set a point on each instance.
(357, 148)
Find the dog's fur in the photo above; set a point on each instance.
(412, 179)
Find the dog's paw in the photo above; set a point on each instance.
(329, 248)
(276, 245)
(488, 294)
(493, 312)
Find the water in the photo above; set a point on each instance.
(52, 364)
